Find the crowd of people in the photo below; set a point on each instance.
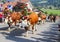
(3, 11)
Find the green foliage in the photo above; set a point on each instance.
(19, 6)
(29, 13)
(51, 11)
(46, 13)
(25, 11)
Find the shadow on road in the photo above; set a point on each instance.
(15, 36)
(14, 32)
(4, 28)
(50, 35)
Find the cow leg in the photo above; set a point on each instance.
(9, 29)
(26, 34)
(9, 26)
(35, 28)
(32, 29)
(15, 23)
(43, 21)
(39, 22)
(51, 20)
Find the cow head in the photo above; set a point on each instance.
(25, 22)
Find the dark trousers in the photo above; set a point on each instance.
(54, 20)
(0, 20)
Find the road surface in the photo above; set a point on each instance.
(47, 32)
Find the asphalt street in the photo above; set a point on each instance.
(47, 32)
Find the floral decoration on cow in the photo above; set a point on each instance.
(22, 7)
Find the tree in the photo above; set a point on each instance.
(50, 7)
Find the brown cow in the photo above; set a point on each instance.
(51, 17)
(31, 20)
(42, 16)
(13, 18)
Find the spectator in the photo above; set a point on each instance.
(54, 18)
(1, 17)
(1, 8)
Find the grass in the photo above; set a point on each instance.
(49, 11)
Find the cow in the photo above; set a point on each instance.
(30, 20)
(42, 17)
(12, 19)
(51, 17)
(6, 11)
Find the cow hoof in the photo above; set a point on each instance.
(35, 30)
(25, 35)
(9, 29)
(32, 32)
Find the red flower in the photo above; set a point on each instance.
(26, 4)
(6, 8)
(29, 10)
(25, 17)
